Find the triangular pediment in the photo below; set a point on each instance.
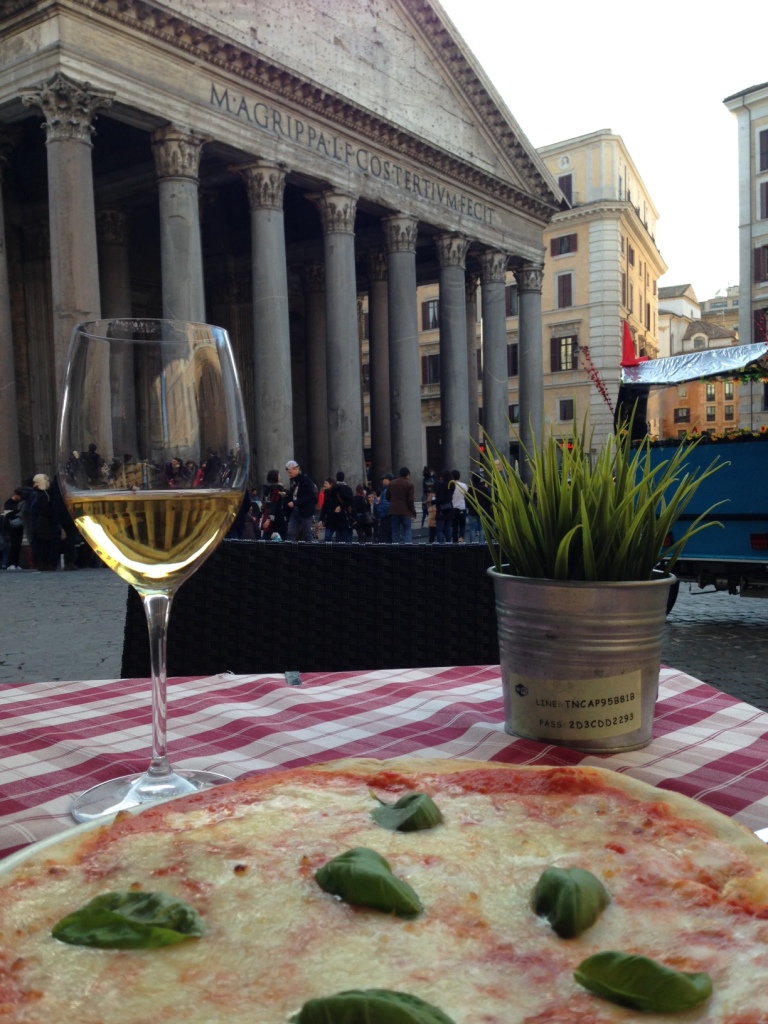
(401, 61)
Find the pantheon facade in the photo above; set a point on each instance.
(262, 165)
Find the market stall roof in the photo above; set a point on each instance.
(713, 362)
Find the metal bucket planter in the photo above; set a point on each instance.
(580, 661)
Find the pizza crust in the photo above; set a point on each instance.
(727, 829)
(723, 828)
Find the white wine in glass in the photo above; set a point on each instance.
(153, 466)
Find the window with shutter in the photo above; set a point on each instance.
(565, 406)
(563, 244)
(429, 315)
(764, 151)
(510, 298)
(430, 369)
(564, 290)
(563, 353)
(565, 183)
(761, 263)
(764, 200)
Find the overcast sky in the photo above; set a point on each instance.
(655, 73)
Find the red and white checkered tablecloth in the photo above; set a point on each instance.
(61, 738)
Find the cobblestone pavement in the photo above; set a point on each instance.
(721, 639)
(69, 625)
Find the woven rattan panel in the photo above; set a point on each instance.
(261, 607)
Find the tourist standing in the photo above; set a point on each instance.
(402, 507)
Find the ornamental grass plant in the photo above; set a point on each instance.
(585, 517)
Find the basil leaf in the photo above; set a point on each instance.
(571, 899)
(130, 920)
(364, 878)
(369, 1006)
(641, 983)
(411, 813)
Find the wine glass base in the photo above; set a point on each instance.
(135, 790)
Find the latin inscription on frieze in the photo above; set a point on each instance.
(304, 133)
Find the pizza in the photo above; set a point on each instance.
(403, 892)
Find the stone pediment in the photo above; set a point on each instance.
(394, 70)
(401, 60)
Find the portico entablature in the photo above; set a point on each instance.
(250, 104)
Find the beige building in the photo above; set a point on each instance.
(723, 309)
(261, 167)
(602, 266)
(751, 110)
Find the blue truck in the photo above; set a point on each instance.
(733, 556)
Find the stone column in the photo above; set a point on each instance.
(345, 422)
(530, 357)
(313, 278)
(273, 415)
(454, 410)
(471, 282)
(10, 458)
(42, 394)
(114, 267)
(400, 232)
(177, 162)
(69, 108)
(378, 360)
(115, 282)
(493, 267)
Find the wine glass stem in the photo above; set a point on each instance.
(157, 608)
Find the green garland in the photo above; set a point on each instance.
(704, 438)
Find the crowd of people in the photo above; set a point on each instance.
(36, 510)
(297, 510)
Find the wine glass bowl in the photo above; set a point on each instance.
(153, 465)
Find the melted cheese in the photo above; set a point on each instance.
(274, 939)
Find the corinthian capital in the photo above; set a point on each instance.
(529, 277)
(493, 266)
(177, 152)
(400, 232)
(111, 227)
(376, 261)
(69, 107)
(337, 211)
(452, 250)
(313, 277)
(265, 183)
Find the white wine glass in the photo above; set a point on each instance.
(153, 466)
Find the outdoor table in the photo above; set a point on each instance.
(61, 738)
